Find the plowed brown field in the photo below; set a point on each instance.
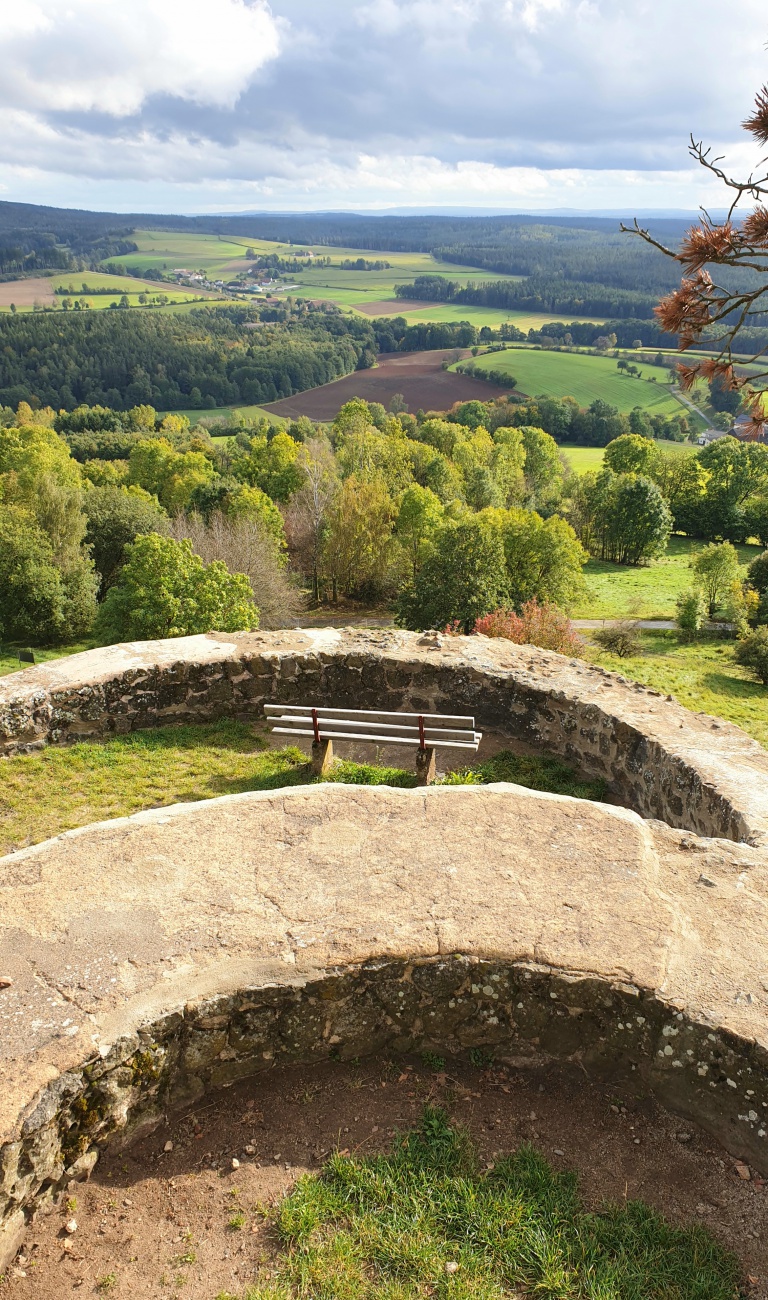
(25, 293)
(418, 376)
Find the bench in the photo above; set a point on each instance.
(428, 731)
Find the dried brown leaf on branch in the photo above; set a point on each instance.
(712, 368)
(688, 376)
(757, 124)
(707, 243)
(755, 227)
(687, 310)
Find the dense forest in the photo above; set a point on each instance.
(583, 249)
(538, 293)
(203, 359)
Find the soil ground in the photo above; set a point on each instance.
(25, 293)
(189, 1219)
(418, 376)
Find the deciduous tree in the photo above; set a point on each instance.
(165, 590)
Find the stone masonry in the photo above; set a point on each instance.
(154, 957)
(688, 770)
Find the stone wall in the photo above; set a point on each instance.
(150, 958)
(688, 770)
(153, 957)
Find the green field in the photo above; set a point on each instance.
(618, 590)
(585, 377)
(169, 250)
(96, 780)
(700, 675)
(479, 316)
(28, 294)
(228, 413)
(582, 459)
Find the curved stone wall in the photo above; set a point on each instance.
(688, 770)
(153, 957)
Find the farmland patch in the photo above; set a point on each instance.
(417, 376)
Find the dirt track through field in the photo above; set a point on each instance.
(418, 376)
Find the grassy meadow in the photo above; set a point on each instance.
(583, 459)
(229, 413)
(701, 675)
(650, 591)
(219, 257)
(479, 316)
(585, 377)
(77, 283)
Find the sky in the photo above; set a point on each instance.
(257, 105)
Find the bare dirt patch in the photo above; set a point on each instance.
(25, 293)
(185, 1211)
(418, 376)
(392, 306)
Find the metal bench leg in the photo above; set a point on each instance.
(322, 756)
(425, 766)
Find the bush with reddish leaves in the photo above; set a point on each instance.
(543, 625)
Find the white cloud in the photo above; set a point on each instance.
(344, 103)
(109, 56)
(530, 12)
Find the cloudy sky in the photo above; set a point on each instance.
(232, 105)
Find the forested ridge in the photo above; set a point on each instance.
(206, 358)
(538, 293)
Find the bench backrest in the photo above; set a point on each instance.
(427, 730)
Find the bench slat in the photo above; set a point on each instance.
(437, 721)
(332, 726)
(383, 739)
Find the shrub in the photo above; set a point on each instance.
(542, 625)
(752, 652)
(620, 639)
(757, 573)
(165, 590)
(691, 611)
(716, 567)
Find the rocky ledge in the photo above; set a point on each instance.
(147, 959)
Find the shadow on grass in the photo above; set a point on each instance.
(240, 737)
(737, 687)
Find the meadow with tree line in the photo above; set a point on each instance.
(129, 525)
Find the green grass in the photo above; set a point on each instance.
(98, 780)
(479, 316)
(9, 657)
(574, 374)
(117, 285)
(618, 590)
(582, 459)
(228, 412)
(701, 675)
(425, 1220)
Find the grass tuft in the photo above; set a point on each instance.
(425, 1221)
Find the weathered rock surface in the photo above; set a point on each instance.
(147, 959)
(688, 770)
(159, 955)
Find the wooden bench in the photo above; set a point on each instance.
(428, 731)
